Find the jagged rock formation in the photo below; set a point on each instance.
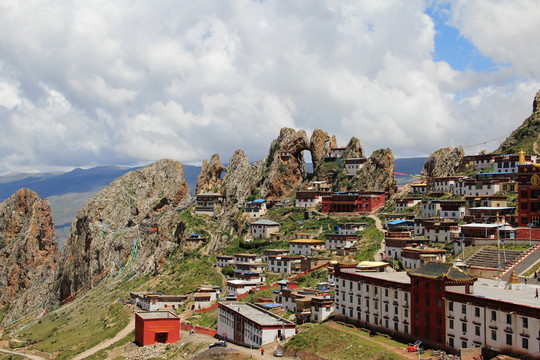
(333, 142)
(353, 150)
(209, 179)
(318, 147)
(134, 212)
(526, 136)
(378, 173)
(284, 165)
(240, 178)
(443, 162)
(28, 254)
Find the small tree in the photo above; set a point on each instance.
(228, 271)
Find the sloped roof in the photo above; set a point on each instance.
(437, 270)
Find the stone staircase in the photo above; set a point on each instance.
(487, 258)
(523, 262)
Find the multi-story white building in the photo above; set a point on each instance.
(378, 300)
(509, 163)
(352, 165)
(309, 199)
(156, 301)
(473, 187)
(255, 209)
(440, 231)
(444, 184)
(237, 287)
(402, 204)
(224, 260)
(305, 246)
(418, 256)
(350, 228)
(287, 264)
(419, 188)
(264, 228)
(501, 320)
(445, 209)
(247, 324)
(340, 241)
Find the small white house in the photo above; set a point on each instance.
(224, 260)
(264, 228)
(255, 209)
(284, 264)
(321, 308)
(305, 246)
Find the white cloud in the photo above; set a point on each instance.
(127, 83)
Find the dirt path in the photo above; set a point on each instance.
(535, 145)
(105, 344)
(379, 255)
(403, 353)
(28, 356)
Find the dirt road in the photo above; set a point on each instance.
(105, 344)
(28, 356)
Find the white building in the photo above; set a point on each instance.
(236, 287)
(321, 308)
(340, 241)
(377, 300)
(264, 228)
(444, 184)
(286, 264)
(419, 188)
(472, 187)
(305, 246)
(415, 257)
(247, 324)
(224, 260)
(255, 209)
(352, 165)
(156, 301)
(350, 228)
(501, 320)
(308, 199)
(207, 203)
(402, 204)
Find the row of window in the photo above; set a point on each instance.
(524, 320)
(509, 341)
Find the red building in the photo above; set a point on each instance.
(156, 327)
(528, 179)
(355, 202)
(428, 320)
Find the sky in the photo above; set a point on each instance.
(88, 83)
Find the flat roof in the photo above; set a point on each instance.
(265, 222)
(493, 208)
(307, 241)
(480, 225)
(259, 316)
(400, 277)
(157, 315)
(488, 289)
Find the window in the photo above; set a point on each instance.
(477, 312)
(395, 294)
(525, 323)
(524, 343)
(406, 329)
(464, 327)
(439, 303)
(406, 312)
(427, 300)
(464, 344)
(395, 310)
(376, 305)
(464, 309)
(493, 315)
(385, 292)
(406, 296)
(359, 286)
(451, 341)
(477, 330)
(509, 319)
(439, 287)
(416, 315)
(439, 321)
(494, 335)
(451, 324)
(427, 284)
(509, 339)
(451, 306)
(385, 307)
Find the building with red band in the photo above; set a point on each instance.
(156, 327)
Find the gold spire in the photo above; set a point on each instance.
(513, 278)
(521, 157)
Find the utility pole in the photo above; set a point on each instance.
(530, 225)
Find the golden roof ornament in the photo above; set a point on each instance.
(513, 278)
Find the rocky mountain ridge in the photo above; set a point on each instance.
(29, 254)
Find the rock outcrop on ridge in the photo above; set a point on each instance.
(284, 165)
(209, 179)
(319, 146)
(443, 162)
(526, 136)
(240, 178)
(28, 254)
(378, 173)
(353, 150)
(129, 223)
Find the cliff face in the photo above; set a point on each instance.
(318, 147)
(443, 162)
(209, 179)
(239, 179)
(28, 254)
(284, 165)
(353, 150)
(378, 173)
(129, 223)
(526, 136)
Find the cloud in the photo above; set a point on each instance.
(128, 83)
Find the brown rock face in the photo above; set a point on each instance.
(333, 142)
(536, 102)
(318, 147)
(443, 162)
(210, 176)
(239, 179)
(378, 173)
(284, 165)
(28, 254)
(133, 215)
(353, 150)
